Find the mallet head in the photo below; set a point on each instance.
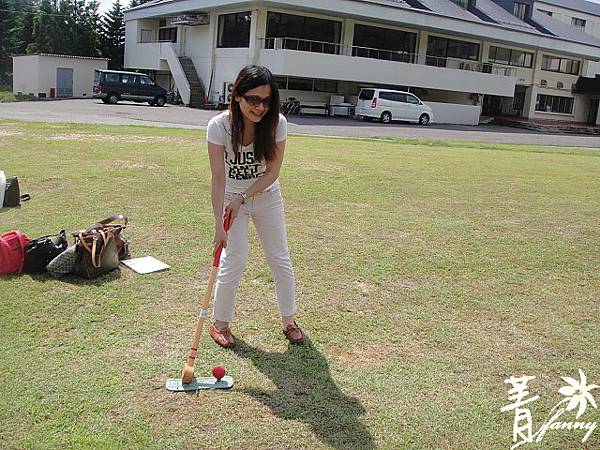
(187, 373)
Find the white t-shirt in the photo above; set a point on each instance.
(241, 168)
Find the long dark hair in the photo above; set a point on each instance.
(249, 78)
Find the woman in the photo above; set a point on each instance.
(246, 146)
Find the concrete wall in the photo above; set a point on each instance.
(198, 44)
(141, 55)
(455, 114)
(26, 76)
(340, 67)
(37, 74)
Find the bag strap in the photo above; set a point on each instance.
(108, 220)
(96, 235)
(100, 224)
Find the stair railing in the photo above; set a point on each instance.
(168, 52)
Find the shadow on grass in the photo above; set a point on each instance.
(77, 280)
(305, 391)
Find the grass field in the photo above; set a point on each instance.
(427, 274)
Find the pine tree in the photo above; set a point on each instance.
(134, 3)
(25, 26)
(8, 28)
(44, 29)
(85, 28)
(113, 36)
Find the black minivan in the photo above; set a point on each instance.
(113, 85)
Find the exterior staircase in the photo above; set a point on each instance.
(197, 91)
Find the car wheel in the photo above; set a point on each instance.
(160, 101)
(424, 119)
(112, 99)
(386, 117)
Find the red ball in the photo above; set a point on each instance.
(219, 372)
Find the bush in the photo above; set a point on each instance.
(6, 97)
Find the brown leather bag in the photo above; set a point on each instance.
(100, 247)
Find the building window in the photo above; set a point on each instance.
(307, 84)
(146, 35)
(543, 11)
(462, 3)
(578, 23)
(300, 84)
(520, 10)
(234, 30)
(303, 33)
(552, 103)
(167, 34)
(438, 49)
(501, 55)
(562, 65)
(325, 86)
(383, 43)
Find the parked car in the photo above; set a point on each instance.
(113, 85)
(387, 105)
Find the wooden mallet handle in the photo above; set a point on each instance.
(187, 372)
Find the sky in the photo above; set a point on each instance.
(105, 5)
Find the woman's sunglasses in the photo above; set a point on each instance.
(255, 100)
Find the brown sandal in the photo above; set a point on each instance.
(294, 334)
(222, 337)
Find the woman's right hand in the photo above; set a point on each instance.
(220, 236)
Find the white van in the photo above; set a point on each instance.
(388, 105)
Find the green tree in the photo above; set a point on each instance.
(45, 29)
(113, 36)
(8, 29)
(83, 27)
(25, 26)
(134, 3)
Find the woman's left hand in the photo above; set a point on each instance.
(233, 207)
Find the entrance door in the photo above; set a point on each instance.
(64, 82)
(593, 113)
(492, 106)
(518, 101)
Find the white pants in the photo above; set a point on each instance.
(266, 210)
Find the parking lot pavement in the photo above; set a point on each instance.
(92, 111)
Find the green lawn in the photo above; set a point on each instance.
(427, 274)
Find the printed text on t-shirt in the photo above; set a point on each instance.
(243, 166)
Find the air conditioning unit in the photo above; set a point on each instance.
(191, 20)
(226, 92)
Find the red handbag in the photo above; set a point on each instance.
(12, 252)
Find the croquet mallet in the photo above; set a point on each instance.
(187, 370)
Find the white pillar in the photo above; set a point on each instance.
(347, 37)
(422, 47)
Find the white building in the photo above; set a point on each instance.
(580, 15)
(501, 56)
(46, 75)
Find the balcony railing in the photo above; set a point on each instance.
(306, 45)
(379, 53)
(287, 43)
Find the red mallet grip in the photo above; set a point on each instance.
(219, 249)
